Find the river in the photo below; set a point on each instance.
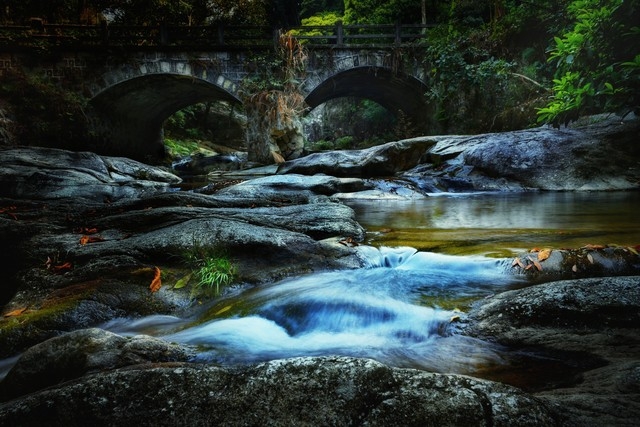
(427, 260)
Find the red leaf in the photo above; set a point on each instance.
(90, 239)
(63, 268)
(156, 283)
(16, 312)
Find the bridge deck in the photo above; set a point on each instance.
(215, 37)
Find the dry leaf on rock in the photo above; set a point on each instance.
(156, 283)
(90, 239)
(544, 254)
(16, 312)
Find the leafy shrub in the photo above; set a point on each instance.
(212, 267)
(45, 113)
(344, 142)
(323, 145)
(468, 86)
(594, 61)
(180, 148)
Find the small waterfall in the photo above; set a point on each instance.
(383, 311)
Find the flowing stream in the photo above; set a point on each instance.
(426, 261)
(390, 310)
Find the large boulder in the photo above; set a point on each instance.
(597, 153)
(48, 173)
(581, 304)
(292, 188)
(382, 160)
(303, 391)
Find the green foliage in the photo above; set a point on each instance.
(188, 123)
(180, 148)
(310, 8)
(212, 268)
(321, 20)
(570, 93)
(345, 142)
(323, 145)
(326, 18)
(381, 11)
(590, 75)
(139, 12)
(468, 85)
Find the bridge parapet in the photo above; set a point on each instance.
(210, 37)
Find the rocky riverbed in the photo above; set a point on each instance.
(87, 238)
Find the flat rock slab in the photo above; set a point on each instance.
(304, 391)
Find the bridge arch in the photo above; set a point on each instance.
(391, 90)
(130, 104)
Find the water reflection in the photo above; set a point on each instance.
(502, 224)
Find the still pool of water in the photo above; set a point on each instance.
(498, 224)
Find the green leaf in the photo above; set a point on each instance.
(183, 281)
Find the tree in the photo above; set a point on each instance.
(381, 11)
(311, 8)
(597, 61)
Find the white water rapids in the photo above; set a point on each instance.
(384, 311)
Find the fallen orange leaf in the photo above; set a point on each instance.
(86, 230)
(8, 210)
(90, 239)
(16, 312)
(593, 247)
(517, 262)
(544, 254)
(537, 265)
(62, 268)
(156, 283)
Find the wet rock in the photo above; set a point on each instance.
(75, 263)
(292, 187)
(46, 305)
(275, 238)
(82, 352)
(201, 164)
(596, 318)
(47, 173)
(594, 303)
(599, 153)
(382, 160)
(588, 261)
(304, 391)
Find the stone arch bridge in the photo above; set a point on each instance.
(133, 91)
